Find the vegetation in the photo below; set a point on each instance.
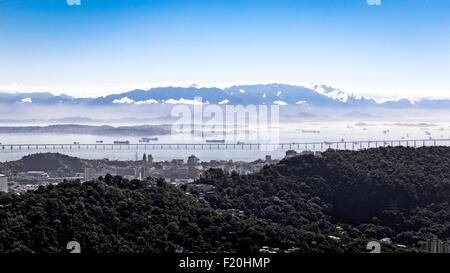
(56, 164)
(117, 215)
(400, 193)
(334, 203)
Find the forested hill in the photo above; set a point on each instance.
(117, 215)
(400, 193)
(334, 203)
(56, 164)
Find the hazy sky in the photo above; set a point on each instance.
(400, 48)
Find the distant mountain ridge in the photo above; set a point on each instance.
(280, 94)
(141, 130)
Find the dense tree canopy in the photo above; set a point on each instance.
(402, 193)
(334, 203)
(117, 215)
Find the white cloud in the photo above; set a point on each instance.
(149, 101)
(123, 100)
(279, 93)
(280, 102)
(27, 100)
(300, 102)
(225, 101)
(183, 101)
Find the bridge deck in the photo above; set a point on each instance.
(313, 146)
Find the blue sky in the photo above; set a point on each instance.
(400, 48)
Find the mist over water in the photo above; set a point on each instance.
(297, 124)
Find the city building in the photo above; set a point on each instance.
(94, 173)
(436, 246)
(149, 160)
(177, 171)
(3, 183)
(446, 247)
(89, 174)
(177, 162)
(31, 177)
(36, 174)
(125, 172)
(192, 161)
(145, 166)
(138, 173)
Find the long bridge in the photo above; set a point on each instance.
(312, 146)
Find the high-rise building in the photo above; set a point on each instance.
(150, 160)
(3, 183)
(89, 174)
(436, 246)
(446, 247)
(192, 161)
(125, 171)
(145, 166)
(138, 173)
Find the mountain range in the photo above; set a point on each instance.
(280, 94)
